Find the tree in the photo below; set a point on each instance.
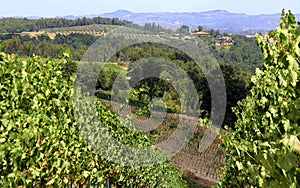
(142, 80)
(200, 28)
(12, 45)
(237, 88)
(183, 30)
(264, 150)
(107, 77)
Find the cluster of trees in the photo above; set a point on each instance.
(42, 45)
(237, 79)
(183, 30)
(244, 52)
(152, 27)
(18, 25)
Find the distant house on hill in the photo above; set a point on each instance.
(223, 41)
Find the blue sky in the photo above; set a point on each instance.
(72, 7)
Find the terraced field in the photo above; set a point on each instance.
(203, 165)
(96, 30)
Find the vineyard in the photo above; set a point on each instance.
(40, 140)
(204, 165)
(54, 133)
(95, 30)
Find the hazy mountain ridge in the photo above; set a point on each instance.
(216, 19)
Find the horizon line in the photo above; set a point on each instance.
(119, 10)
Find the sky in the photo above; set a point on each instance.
(53, 8)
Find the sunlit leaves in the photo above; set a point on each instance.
(40, 144)
(267, 128)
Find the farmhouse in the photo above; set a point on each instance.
(223, 41)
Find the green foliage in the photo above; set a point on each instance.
(193, 182)
(44, 46)
(237, 83)
(40, 140)
(263, 151)
(183, 30)
(200, 28)
(236, 79)
(107, 76)
(18, 25)
(244, 52)
(87, 29)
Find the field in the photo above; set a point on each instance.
(202, 167)
(95, 30)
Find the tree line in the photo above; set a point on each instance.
(237, 79)
(42, 45)
(18, 25)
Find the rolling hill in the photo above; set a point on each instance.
(217, 19)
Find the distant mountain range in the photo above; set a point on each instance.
(216, 19)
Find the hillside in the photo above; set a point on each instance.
(94, 30)
(216, 19)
